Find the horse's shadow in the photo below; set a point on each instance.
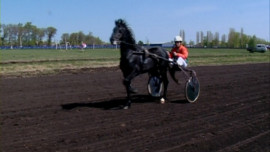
(114, 104)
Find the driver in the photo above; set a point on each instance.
(179, 52)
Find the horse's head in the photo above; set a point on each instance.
(121, 32)
(118, 31)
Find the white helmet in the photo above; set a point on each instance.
(178, 39)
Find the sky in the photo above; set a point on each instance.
(154, 21)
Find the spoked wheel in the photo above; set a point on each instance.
(192, 89)
(155, 86)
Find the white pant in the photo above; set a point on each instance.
(180, 61)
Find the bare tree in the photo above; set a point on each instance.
(202, 36)
(223, 40)
(197, 38)
(182, 34)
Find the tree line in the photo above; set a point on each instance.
(234, 39)
(79, 37)
(30, 35)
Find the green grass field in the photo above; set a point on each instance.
(198, 57)
(33, 62)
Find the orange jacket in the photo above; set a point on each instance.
(182, 51)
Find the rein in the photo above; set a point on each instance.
(145, 51)
(135, 45)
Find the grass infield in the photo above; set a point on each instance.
(35, 62)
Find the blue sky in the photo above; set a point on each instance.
(151, 20)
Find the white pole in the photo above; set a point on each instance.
(55, 41)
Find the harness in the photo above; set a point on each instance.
(145, 53)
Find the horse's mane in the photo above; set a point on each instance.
(129, 32)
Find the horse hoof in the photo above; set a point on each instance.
(133, 90)
(162, 100)
(126, 107)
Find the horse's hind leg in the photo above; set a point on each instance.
(165, 82)
(172, 73)
(191, 72)
(163, 99)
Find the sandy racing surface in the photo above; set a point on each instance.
(79, 112)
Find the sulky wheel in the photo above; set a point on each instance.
(192, 89)
(155, 86)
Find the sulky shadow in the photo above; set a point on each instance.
(179, 101)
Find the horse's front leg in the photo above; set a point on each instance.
(127, 86)
(129, 89)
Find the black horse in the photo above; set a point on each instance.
(135, 60)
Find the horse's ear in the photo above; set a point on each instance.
(116, 22)
(119, 22)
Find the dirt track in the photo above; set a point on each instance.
(76, 112)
